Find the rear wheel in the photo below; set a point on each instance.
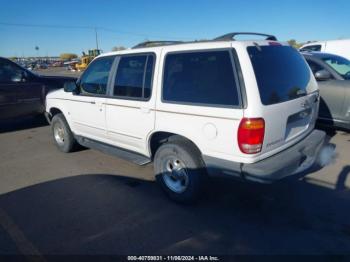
(62, 134)
(180, 170)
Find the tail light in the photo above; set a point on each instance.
(251, 135)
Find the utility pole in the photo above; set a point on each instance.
(96, 38)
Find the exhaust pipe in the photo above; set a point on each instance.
(326, 156)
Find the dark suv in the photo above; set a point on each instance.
(23, 92)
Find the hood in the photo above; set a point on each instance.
(59, 93)
(58, 78)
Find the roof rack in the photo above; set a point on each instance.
(230, 36)
(156, 43)
(227, 37)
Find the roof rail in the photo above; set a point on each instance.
(230, 36)
(155, 43)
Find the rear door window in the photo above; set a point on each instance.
(134, 77)
(281, 73)
(204, 78)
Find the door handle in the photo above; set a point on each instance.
(92, 102)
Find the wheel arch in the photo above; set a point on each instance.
(54, 111)
(157, 138)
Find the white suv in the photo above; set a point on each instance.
(238, 108)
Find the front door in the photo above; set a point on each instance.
(332, 94)
(87, 109)
(332, 99)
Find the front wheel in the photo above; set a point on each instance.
(62, 134)
(180, 170)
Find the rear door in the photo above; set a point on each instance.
(130, 111)
(332, 99)
(288, 94)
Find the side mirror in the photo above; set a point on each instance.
(25, 76)
(70, 87)
(322, 75)
(19, 77)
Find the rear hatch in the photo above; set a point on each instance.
(288, 94)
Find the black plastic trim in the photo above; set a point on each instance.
(125, 154)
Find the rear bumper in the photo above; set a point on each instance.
(293, 160)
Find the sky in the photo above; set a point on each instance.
(61, 26)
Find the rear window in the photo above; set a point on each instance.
(203, 78)
(281, 73)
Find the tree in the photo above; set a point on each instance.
(68, 56)
(118, 48)
(294, 43)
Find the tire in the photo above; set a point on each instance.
(62, 135)
(180, 170)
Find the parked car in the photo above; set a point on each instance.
(41, 66)
(23, 92)
(337, 47)
(333, 75)
(57, 64)
(245, 109)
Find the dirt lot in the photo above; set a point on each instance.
(91, 203)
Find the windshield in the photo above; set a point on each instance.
(339, 64)
(281, 73)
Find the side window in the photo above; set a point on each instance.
(134, 76)
(311, 48)
(95, 78)
(205, 77)
(10, 73)
(314, 66)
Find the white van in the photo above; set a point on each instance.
(337, 47)
(236, 108)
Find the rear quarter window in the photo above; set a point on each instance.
(281, 72)
(202, 78)
(311, 48)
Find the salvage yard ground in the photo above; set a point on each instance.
(58, 71)
(87, 202)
